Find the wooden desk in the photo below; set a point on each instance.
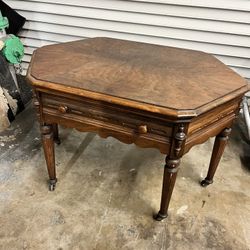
(154, 96)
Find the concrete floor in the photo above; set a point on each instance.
(108, 191)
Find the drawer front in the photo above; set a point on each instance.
(107, 119)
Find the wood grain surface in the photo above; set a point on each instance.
(153, 96)
(161, 76)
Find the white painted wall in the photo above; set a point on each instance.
(219, 27)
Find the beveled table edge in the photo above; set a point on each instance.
(171, 113)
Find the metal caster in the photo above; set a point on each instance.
(52, 185)
(159, 216)
(206, 182)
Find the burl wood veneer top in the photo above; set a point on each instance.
(158, 76)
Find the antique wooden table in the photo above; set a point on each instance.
(154, 96)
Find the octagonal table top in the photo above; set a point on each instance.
(177, 80)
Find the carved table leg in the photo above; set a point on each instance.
(218, 149)
(56, 134)
(48, 146)
(169, 177)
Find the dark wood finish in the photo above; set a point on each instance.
(48, 146)
(218, 149)
(153, 96)
(169, 177)
(56, 134)
(171, 168)
(149, 77)
(106, 119)
(133, 71)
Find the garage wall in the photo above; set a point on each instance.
(219, 27)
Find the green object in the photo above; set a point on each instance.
(4, 23)
(13, 49)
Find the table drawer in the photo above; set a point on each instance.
(105, 116)
(104, 112)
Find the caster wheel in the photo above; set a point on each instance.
(52, 187)
(160, 217)
(205, 183)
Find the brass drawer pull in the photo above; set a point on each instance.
(63, 109)
(143, 129)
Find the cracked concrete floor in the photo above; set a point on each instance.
(108, 191)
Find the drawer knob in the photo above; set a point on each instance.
(63, 109)
(143, 129)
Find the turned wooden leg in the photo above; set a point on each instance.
(48, 147)
(218, 149)
(56, 134)
(169, 177)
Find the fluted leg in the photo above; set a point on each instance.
(48, 146)
(169, 177)
(218, 149)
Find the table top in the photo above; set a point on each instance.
(179, 80)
